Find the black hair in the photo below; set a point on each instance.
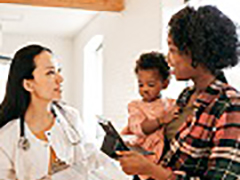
(17, 99)
(221, 76)
(208, 35)
(153, 61)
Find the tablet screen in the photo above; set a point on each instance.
(113, 142)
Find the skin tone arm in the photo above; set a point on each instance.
(126, 131)
(149, 127)
(142, 166)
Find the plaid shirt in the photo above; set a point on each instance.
(207, 145)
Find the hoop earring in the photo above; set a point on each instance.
(194, 64)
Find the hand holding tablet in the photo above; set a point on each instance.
(113, 141)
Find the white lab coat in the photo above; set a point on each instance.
(32, 164)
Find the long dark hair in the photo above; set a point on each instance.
(17, 99)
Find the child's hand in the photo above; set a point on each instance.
(169, 116)
(126, 131)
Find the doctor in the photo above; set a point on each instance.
(40, 138)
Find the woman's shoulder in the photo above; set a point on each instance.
(227, 92)
(230, 96)
(9, 131)
(230, 91)
(69, 113)
(67, 109)
(70, 109)
(10, 126)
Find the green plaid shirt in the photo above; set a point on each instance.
(207, 145)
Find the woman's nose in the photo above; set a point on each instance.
(169, 61)
(59, 78)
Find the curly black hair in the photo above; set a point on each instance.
(153, 61)
(208, 35)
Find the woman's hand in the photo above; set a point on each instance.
(133, 163)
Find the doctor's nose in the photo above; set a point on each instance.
(59, 77)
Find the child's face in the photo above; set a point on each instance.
(150, 84)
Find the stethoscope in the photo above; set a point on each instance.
(23, 142)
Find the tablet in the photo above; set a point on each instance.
(113, 142)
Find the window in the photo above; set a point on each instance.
(92, 85)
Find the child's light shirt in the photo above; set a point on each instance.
(140, 111)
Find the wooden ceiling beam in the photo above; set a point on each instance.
(95, 5)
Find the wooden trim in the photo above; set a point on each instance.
(96, 5)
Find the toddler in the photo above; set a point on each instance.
(153, 76)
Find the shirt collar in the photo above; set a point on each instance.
(204, 98)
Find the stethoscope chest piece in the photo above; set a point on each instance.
(24, 143)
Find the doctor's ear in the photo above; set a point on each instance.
(27, 85)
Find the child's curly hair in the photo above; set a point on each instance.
(206, 34)
(153, 61)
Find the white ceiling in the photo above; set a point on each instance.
(23, 19)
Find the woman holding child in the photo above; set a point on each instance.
(201, 43)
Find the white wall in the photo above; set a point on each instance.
(62, 47)
(126, 35)
(137, 29)
(232, 75)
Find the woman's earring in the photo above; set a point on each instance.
(194, 64)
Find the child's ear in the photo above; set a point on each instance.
(165, 83)
(27, 85)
